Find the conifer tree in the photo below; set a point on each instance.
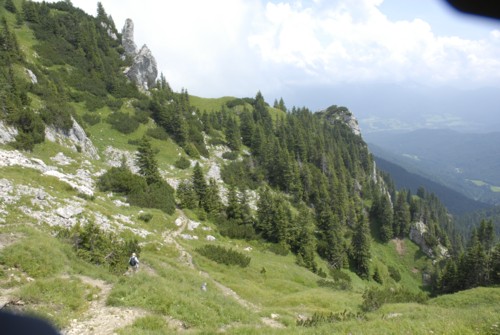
(402, 217)
(199, 184)
(212, 203)
(233, 135)
(495, 265)
(9, 5)
(360, 249)
(187, 195)
(148, 166)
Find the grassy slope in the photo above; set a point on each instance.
(170, 288)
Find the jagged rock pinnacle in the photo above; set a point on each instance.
(128, 38)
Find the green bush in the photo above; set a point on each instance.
(158, 195)
(123, 122)
(237, 231)
(374, 298)
(91, 119)
(216, 141)
(135, 142)
(224, 256)
(114, 104)
(338, 275)
(121, 180)
(146, 217)
(158, 133)
(241, 174)
(182, 163)
(230, 155)
(93, 102)
(98, 247)
(141, 116)
(336, 285)
(322, 318)
(191, 150)
(278, 249)
(394, 273)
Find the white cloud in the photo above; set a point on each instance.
(236, 47)
(354, 41)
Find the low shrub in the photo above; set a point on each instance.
(158, 195)
(225, 256)
(341, 285)
(114, 104)
(98, 247)
(278, 249)
(120, 180)
(230, 155)
(394, 273)
(191, 150)
(374, 298)
(146, 217)
(216, 141)
(123, 122)
(91, 119)
(238, 231)
(322, 318)
(158, 133)
(182, 163)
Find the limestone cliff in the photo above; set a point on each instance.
(144, 70)
(341, 114)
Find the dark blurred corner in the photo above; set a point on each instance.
(487, 8)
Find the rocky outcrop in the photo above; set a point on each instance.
(7, 133)
(75, 138)
(144, 70)
(417, 235)
(128, 42)
(417, 231)
(341, 114)
(109, 30)
(33, 78)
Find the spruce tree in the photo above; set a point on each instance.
(402, 217)
(199, 184)
(360, 249)
(148, 166)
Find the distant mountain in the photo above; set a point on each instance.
(456, 202)
(466, 163)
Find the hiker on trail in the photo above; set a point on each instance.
(134, 262)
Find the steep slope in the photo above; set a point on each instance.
(467, 163)
(453, 200)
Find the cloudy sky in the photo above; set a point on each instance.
(288, 48)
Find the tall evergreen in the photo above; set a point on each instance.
(360, 248)
(148, 166)
(402, 217)
(199, 184)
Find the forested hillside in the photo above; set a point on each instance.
(279, 209)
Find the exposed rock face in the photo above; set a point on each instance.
(7, 133)
(417, 235)
(75, 139)
(128, 38)
(342, 114)
(144, 70)
(417, 231)
(33, 78)
(109, 30)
